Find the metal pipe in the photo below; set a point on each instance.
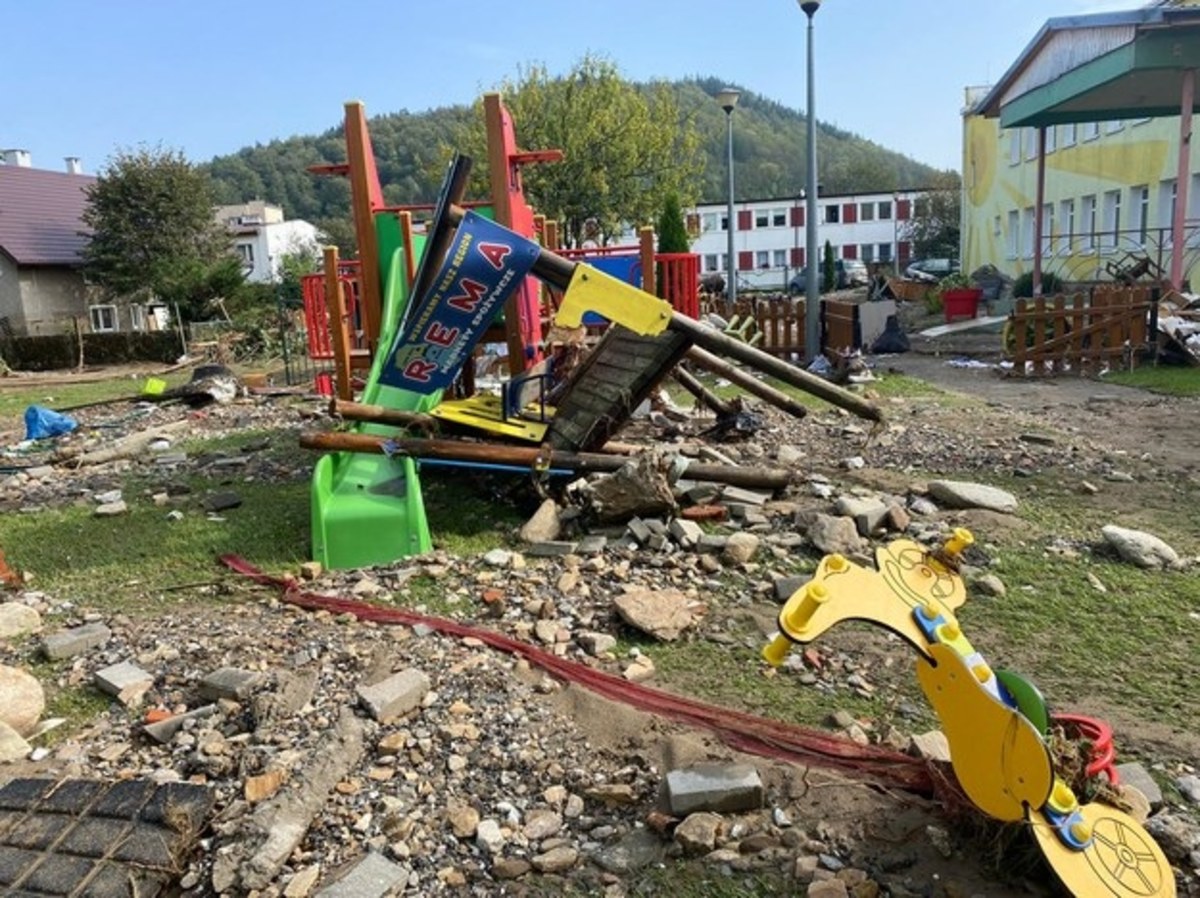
(740, 378)
(812, 295)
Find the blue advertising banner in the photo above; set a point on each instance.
(483, 267)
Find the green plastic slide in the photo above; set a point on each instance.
(368, 509)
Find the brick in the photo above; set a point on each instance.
(397, 695)
(722, 788)
(229, 683)
(75, 641)
(686, 533)
(372, 877)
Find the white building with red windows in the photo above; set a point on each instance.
(770, 235)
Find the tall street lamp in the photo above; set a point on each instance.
(812, 296)
(727, 99)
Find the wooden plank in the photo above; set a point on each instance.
(1019, 329)
(335, 301)
(1060, 328)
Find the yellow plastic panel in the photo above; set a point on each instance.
(483, 413)
(852, 592)
(908, 569)
(1122, 861)
(999, 758)
(592, 290)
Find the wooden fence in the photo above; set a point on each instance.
(776, 325)
(1082, 333)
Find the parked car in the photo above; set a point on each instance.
(931, 269)
(847, 273)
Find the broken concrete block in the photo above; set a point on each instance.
(230, 683)
(75, 641)
(395, 696)
(126, 681)
(592, 545)
(639, 530)
(164, 731)
(551, 549)
(722, 788)
(686, 533)
(744, 496)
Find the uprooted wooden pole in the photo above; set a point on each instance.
(740, 378)
(532, 457)
(688, 381)
(557, 271)
(379, 414)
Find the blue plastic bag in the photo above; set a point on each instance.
(41, 423)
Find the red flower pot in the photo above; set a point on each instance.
(962, 303)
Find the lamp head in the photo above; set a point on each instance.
(727, 98)
(810, 7)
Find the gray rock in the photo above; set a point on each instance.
(544, 526)
(372, 877)
(698, 833)
(12, 746)
(635, 850)
(789, 456)
(230, 683)
(110, 509)
(1189, 787)
(639, 530)
(596, 643)
(831, 534)
(75, 641)
(711, 543)
(395, 696)
(785, 586)
(108, 497)
(744, 496)
(663, 613)
(1134, 774)
(23, 700)
(556, 860)
(714, 787)
(1138, 547)
(592, 545)
(17, 619)
(498, 558)
(919, 505)
(964, 494)
(740, 548)
(989, 585)
(222, 501)
(541, 823)
(932, 746)
(488, 836)
(1176, 834)
(866, 513)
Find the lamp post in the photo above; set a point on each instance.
(812, 296)
(727, 99)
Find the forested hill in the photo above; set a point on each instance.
(411, 149)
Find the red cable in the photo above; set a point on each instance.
(745, 732)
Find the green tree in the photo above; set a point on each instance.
(293, 266)
(828, 270)
(153, 233)
(625, 147)
(935, 227)
(672, 230)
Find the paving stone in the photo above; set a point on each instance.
(126, 681)
(551, 549)
(686, 533)
(722, 788)
(229, 683)
(75, 641)
(712, 543)
(733, 494)
(397, 695)
(1134, 774)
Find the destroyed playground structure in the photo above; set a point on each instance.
(346, 757)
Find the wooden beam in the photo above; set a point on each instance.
(365, 197)
(530, 457)
(335, 302)
(740, 378)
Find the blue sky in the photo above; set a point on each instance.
(84, 78)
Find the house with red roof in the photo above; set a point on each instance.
(42, 290)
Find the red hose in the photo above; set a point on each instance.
(745, 732)
(1100, 735)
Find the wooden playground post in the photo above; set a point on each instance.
(335, 301)
(406, 237)
(365, 197)
(646, 253)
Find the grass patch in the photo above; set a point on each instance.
(126, 563)
(469, 514)
(15, 399)
(1134, 645)
(1171, 380)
